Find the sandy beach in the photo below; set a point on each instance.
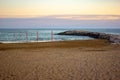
(65, 60)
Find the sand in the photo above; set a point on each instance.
(66, 60)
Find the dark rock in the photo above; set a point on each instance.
(104, 36)
(114, 39)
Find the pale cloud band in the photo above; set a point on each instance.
(86, 17)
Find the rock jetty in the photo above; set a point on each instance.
(112, 38)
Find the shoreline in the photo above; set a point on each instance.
(6, 42)
(55, 44)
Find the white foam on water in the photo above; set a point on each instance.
(29, 41)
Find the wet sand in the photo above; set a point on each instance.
(66, 60)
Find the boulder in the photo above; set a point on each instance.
(114, 39)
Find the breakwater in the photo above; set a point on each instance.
(112, 38)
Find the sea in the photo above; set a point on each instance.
(45, 35)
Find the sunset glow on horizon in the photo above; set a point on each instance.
(39, 8)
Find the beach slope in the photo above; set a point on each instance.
(65, 60)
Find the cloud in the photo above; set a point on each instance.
(86, 17)
(63, 21)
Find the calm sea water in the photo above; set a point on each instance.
(32, 35)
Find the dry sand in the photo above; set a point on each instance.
(67, 60)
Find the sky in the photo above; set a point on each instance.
(37, 8)
(57, 13)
